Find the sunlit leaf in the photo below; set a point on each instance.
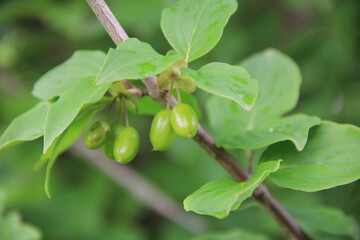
(193, 27)
(60, 79)
(133, 59)
(73, 132)
(28, 126)
(62, 112)
(232, 82)
(65, 140)
(219, 197)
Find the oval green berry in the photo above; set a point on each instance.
(126, 145)
(96, 135)
(110, 140)
(162, 135)
(184, 120)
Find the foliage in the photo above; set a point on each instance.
(279, 83)
(258, 110)
(329, 160)
(217, 198)
(13, 228)
(194, 27)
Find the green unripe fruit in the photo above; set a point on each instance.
(184, 120)
(110, 140)
(96, 135)
(126, 145)
(162, 135)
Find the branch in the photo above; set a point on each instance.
(141, 188)
(206, 141)
(108, 20)
(118, 34)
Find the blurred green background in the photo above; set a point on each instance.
(322, 36)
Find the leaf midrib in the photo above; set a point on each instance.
(193, 33)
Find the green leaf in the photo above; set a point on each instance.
(330, 158)
(193, 27)
(294, 128)
(57, 81)
(28, 126)
(234, 234)
(279, 80)
(62, 112)
(146, 106)
(319, 220)
(224, 80)
(133, 59)
(279, 83)
(73, 131)
(217, 198)
(13, 228)
(65, 140)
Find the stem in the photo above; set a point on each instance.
(108, 20)
(125, 114)
(169, 96)
(261, 194)
(178, 92)
(251, 157)
(110, 107)
(225, 159)
(119, 111)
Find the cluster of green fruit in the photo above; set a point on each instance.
(181, 120)
(122, 143)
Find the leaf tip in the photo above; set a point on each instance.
(46, 148)
(299, 146)
(47, 191)
(221, 215)
(47, 145)
(247, 107)
(186, 205)
(278, 163)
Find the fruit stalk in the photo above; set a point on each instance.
(178, 93)
(169, 96)
(125, 113)
(110, 107)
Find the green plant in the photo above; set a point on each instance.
(96, 136)
(126, 145)
(327, 159)
(110, 140)
(162, 135)
(184, 121)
